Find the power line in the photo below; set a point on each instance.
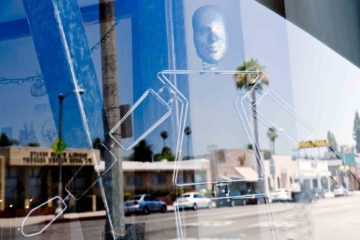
(39, 78)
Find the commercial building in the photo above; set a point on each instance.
(314, 174)
(285, 172)
(29, 176)
(158, 177)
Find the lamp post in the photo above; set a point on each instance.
(61, 98)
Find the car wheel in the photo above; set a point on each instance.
(163, 209)
(194, 207)
(146, 210)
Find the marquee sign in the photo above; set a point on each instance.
(18, 156)
(313, 144)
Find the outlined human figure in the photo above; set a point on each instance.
(210, 36)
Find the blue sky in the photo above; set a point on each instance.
(320, 84)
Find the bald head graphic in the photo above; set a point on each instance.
(210, 36)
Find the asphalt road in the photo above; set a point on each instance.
(335, 218)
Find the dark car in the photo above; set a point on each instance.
(145, 204)
(231, 197)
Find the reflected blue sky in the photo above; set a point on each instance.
(316, 81)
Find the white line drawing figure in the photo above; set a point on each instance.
(275, 97)
(161, 101)
(164, 76)
(211, 43)
(210, 40)
(241, 103)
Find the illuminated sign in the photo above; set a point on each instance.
(313, 144)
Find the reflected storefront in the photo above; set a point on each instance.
(31, 177)
(162, 98)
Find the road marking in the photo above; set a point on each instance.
(274, 224)
(209, 224)
(206, 239)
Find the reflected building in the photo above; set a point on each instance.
(335, 23)
(29, 177)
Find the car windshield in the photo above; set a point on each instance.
(185, 195)
(137, 197)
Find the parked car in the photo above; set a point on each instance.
(230, 197)
(340, 191)
(221, 193)
(280, 195)
(236, 199)
(145, 204)
(192, 200)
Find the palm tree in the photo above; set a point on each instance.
(187, 132)
(272, 135)
(249, 82)
(142, 152)
(164, 135)
(5, 140)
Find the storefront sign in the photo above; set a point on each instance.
(313, 144)
(48, 158)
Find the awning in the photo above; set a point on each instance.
(314, 175)
(223, 178)
(247, 173)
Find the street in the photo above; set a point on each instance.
(332, 218)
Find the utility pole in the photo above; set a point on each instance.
(60, 186)
(115, 223)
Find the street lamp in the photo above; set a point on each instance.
(61, 98)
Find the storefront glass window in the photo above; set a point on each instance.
(117, 116)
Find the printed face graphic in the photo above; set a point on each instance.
(209, 34)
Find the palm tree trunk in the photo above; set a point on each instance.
(256, 133)
(273, 146)
(261, 185)
(188, 146)
(270, 145)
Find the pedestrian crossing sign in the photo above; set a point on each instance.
(58, 146)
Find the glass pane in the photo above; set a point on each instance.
(179, 119)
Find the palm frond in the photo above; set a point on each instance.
(247, 81)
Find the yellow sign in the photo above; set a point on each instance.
(344, 168)
(59, 146)
(313, 144)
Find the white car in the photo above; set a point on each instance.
(340, 191)
(192, 200)
(280, 195)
